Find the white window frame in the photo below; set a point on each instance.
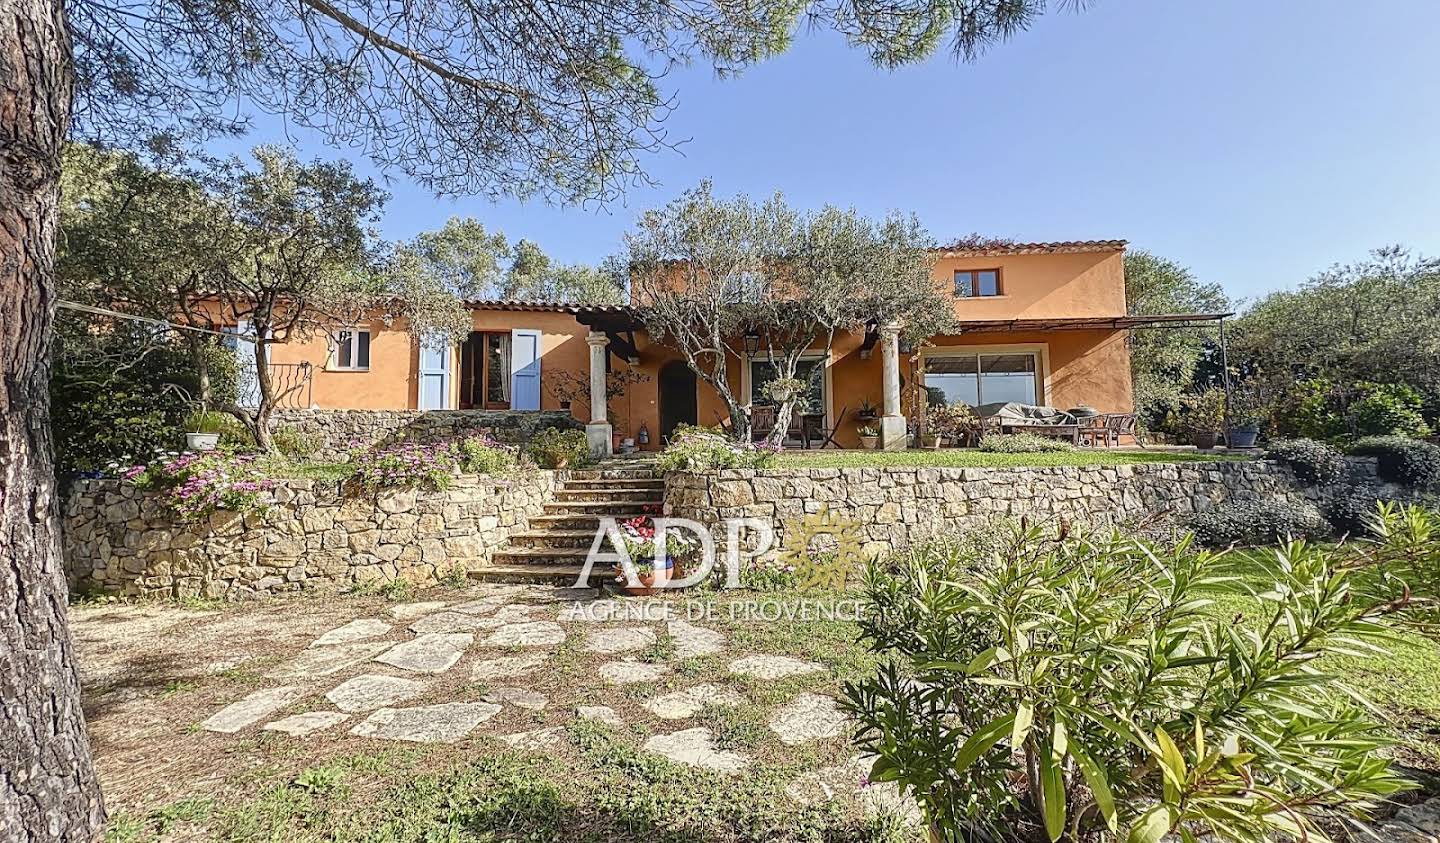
(1040, 350)
(334, 364)
(820, 356)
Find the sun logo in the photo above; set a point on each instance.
(828, 566)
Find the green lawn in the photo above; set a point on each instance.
(1404, 684)
(966, 458)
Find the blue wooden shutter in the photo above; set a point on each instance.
(524, 369)
(434, 374)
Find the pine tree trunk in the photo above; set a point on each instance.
(48, 788)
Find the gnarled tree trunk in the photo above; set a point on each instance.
(48, 788)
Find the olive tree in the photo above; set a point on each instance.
(707, 271)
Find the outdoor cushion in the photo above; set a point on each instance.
(1015, 413)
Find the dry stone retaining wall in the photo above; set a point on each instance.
(332, 432)
(117, 539)
(895, 507)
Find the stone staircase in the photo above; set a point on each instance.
(554, 546)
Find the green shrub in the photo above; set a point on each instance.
(292, 444)
(1388, 409)
(1351, 511)
(1400, 460)
(1249, 522)
(116, 398)
(1023, 443)
(555, 448)
(701, 449)
(1314, 463)
(483, 455)
(1079, 684)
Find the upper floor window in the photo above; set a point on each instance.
(970, 283)
(352, 350)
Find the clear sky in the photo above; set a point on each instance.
(1257, 141)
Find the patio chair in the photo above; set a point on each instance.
(1118, 425)
(762, 421)
(827, 434)
(1095, 430)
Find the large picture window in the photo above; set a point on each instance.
(813, 371)
(984, 378)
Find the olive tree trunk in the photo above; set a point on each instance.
(48, 788)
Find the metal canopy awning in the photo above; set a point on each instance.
(1091, 323)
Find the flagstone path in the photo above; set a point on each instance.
(514, 643)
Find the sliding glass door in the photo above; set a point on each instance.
(982, 377)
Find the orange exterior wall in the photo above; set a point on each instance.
(1042, 286)
(1080, 367)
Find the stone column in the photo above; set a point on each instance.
(598, 431)
(892, 423)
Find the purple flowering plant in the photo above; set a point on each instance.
(194, 485)
(404, 465)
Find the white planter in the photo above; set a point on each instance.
(201, 441)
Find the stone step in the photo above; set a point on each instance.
(656, 483)
(511, 555)
(628, 509)
(554, 538)
(565, 521)
(564, 575)
(610, 494)
(612, 474)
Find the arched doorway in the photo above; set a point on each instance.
(677, 396)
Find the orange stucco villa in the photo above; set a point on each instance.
(1040, 323)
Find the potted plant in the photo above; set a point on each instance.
(867, 412)
(1247, 415)
(1204, 416)
(869, 436)
(948, 423)
(203, 429)
(655, 563)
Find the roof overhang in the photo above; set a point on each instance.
(1091, 323)
(1058, 247)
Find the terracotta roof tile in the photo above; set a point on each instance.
(1057, 247)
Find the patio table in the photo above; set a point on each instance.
(1068, 432)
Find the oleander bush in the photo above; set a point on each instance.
(1079, 686)
(555, 448)
(1257, 522)
(1314, 463)
(1023, 443)
(700, 449)
(1401, 460)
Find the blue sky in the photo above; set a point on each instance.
(1257, 142)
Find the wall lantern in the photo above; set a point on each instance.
(752, 341)
(907, 346)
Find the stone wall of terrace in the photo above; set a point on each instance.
(895, 507)
(333, 431)
(315, 535)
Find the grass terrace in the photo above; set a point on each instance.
(966, 458)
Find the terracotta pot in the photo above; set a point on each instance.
(651, 581)
(870, 442)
